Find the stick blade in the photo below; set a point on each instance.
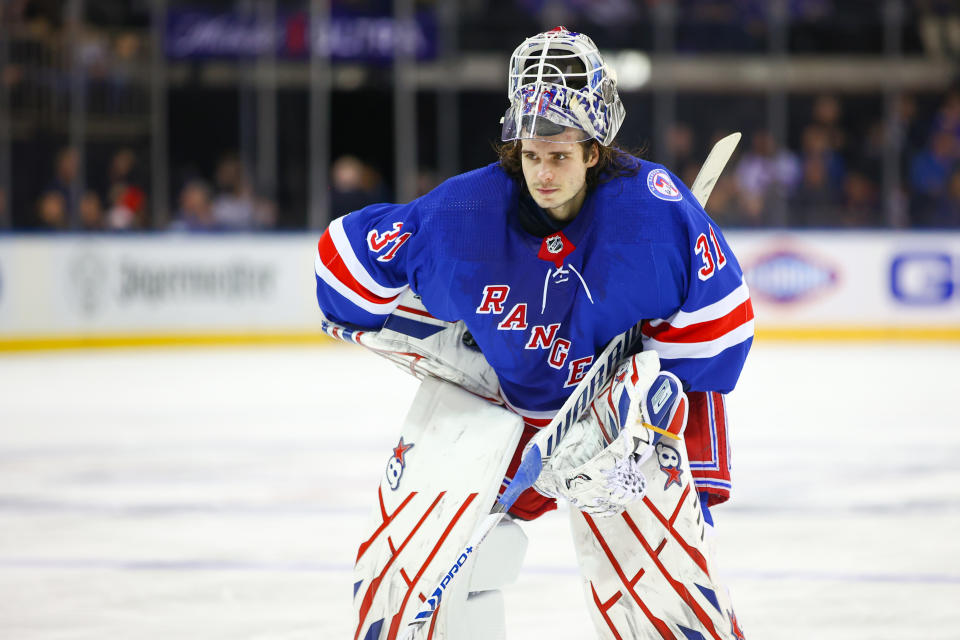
(713, 167)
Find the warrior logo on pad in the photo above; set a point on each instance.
(662, 186)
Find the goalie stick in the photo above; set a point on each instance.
(712, 168)
(541, 445)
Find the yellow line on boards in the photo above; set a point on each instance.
(763, 334)
(44, 343)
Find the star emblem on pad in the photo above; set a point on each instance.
(401, 449)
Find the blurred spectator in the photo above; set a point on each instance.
(680, 154)
(908, 130)
(818, 142)
(91, 212)
(828, 114)
(861, 202)
(235, 206)
(946, 211)
(123, 168)
(127, 208)
(724, 204)
(52, 211)
(65, 171)
(766, 175)
(929, 171)
(354, 185)
(815, 202)
(196, 208)
(126, 49)
(4, 210)
(948, 116)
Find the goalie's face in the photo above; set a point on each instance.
(555, 171)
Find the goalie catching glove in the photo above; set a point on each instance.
(596, 467)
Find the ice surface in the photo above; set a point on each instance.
(220, 494)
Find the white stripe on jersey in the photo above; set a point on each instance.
(677, 350)
(342, 243)
(713, 311)
(327, 276)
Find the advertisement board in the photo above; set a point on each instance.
(868, 283)
(75, 290)
(156, 285)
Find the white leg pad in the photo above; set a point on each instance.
(439, 480)
(648, 572)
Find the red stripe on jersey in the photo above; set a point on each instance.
(701, 331)
(331, 259)
(536, 423)
(419, 312)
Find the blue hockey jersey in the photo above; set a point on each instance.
(641, 248)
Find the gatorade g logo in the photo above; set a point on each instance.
(924, 278)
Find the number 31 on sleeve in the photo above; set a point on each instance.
(702, 248)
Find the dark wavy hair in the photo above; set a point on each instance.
(613, 162)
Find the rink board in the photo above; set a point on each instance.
(102, 290)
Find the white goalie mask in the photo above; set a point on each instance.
(558, 80)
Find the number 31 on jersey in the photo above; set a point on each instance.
(702, 249)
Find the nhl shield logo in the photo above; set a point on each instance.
(555, 244)
(555, 248)
(661, 185)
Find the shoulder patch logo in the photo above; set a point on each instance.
(661, 185)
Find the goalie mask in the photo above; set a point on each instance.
(558, 80)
